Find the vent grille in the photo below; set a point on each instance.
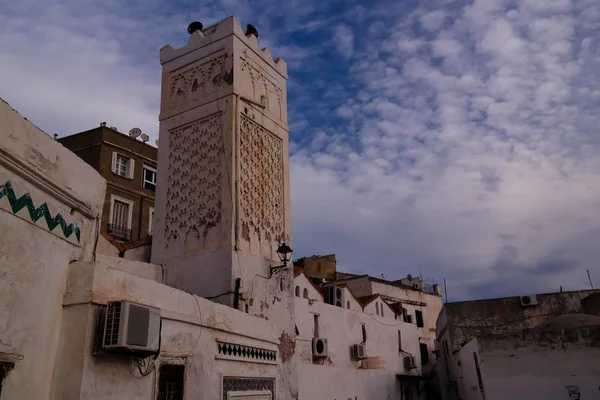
(113, 321)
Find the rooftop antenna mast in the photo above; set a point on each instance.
(590, 278)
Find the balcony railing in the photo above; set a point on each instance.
(119, 232)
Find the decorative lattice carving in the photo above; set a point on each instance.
(198, 79)
(261, 182)
(265, 92)
(194, 178)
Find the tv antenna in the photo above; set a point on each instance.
(135, 132)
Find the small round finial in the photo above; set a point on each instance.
(251, 30)
(194, 26)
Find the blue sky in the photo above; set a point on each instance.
(454, 139)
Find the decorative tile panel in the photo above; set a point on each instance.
(240, 352)
(23, 207)
(241, 384)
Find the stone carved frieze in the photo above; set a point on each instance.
(261, 182)
(198, 79)
(264, 90)
(193, 203)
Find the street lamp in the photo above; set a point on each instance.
(284, 252)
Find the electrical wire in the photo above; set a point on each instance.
(145, 366)
(199, 324)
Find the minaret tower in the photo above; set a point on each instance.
(222, 204)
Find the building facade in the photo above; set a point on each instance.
(523, 347)
(129, 167)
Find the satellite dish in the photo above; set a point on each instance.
(409, 276)
(156, 142)
(135, 132)
(145, 137)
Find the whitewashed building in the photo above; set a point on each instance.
(218, 314)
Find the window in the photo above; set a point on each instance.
(149, 178)
(316, 320)
(170, 382)
(122, 165)
(119, 223)
(406, 317)
(376, 308)
(297, 291)
(348, 305)
(382, 310)
(305, 293)
(419, 318)
(399, 341)
(364, 333)
(424, 353)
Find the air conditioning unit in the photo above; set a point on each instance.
(131, 328)
(335, 296)
(409, 362)
(319, 346)
(359, 351)
(530, 300)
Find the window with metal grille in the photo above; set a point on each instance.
(149, 178)
(424, 353)
(120, 214)
(170, 382)
(419, 318)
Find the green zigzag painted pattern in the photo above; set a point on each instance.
(36, 213)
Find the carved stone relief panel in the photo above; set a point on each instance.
(198, 79)
(261, 182)
(264, 91)
(193, 203)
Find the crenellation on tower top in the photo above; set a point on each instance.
(219, 31)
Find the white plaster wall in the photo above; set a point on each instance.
(34, 261)
(340, 377)
(302, 282)
(465, 371)
(191, 326)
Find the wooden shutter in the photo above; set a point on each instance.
(131, 168)
(114, 163)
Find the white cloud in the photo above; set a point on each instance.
(344, 40)
(467, 152)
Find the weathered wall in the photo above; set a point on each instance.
(541, 365)
(340, 377)
(468, 319)
(36, 170)
(318, 266)
(191, 328)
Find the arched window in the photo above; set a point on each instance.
(297, 291)
(377, 308)
(305, 293)
(348, 305)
